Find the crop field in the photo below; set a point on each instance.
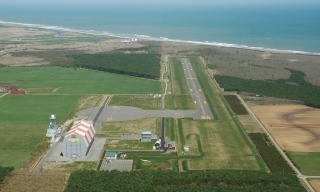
(180, 97)
(218, 144)
(58, 80)
(295, 127)
(308, 163)
(24, 120)
(147, 102)
(315, 184)
(236, 105)
(111, 129)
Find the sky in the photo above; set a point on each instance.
(163, 2)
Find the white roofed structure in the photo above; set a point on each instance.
(78, 140)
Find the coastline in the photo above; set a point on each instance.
(161, 39)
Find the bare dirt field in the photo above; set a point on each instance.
(295, 127)
(315, 184)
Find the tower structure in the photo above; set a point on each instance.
(52, 130)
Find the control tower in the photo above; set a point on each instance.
(52, 131)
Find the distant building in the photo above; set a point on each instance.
(170, 144)
(18, 91)
(111, 155)
(146, 136)
(79, 139)
(186, 148)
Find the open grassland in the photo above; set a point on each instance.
(128, 145)
(69, 168)
(24, 120)
(146, 102)
(295, 127)
(58, 80)
(308, 163)
(109, 129)
(28, 182)
(180, 97)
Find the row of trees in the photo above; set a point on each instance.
(269, 153)
(294, 88)
(141, 65)
(236, 105)
(86, 180)
(4, 171)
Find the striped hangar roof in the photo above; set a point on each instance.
(83, 129)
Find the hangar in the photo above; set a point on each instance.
(78, 140)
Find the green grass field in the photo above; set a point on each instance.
(70, 81)
(128, 145)
(180, 97)
(142, 101)
(24, 120)
(308, 163)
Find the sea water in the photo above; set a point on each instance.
(274, 28)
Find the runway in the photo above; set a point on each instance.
(202, 109)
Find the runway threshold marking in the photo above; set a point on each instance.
(204, 102)
(208, 117)
(203, 117)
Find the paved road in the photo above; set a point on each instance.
(299, 175)
(200, 103)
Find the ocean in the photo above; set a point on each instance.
(273, 28)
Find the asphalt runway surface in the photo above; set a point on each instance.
(200, 103)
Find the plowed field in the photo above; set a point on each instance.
(295, 127)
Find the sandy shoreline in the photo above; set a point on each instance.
(29, 46)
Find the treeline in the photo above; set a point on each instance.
(269, 153)
(4, 171)
(139, 65)
(236, 105)
(294, 88)
(89, 180)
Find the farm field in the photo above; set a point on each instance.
(315, 184)
(295, 127)
(308, 163)
(58, 80)
(146, 102)
(24, 120)
(128, 145)
(179, 97)
(236, 105)
(116, 129)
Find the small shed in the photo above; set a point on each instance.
(111, 155)
(146, 136)
(186, 148)
(170, 144)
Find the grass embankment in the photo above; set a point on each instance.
(58, 80)
(307, 163)
(180, 97)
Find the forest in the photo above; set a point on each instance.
(269, 153)
(144, 65)
(294, 88)
(4, 171)
(236, 105)
(89, 180)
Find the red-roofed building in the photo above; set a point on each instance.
(18, 91)
(78, 140)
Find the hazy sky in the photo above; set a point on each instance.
(154, 2)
